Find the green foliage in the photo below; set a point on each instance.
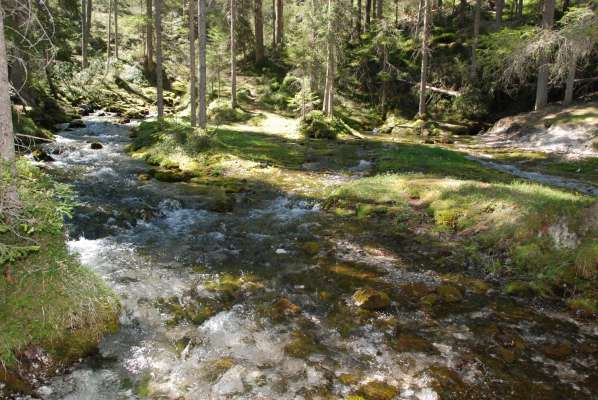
(220, 111)
(315, 125)
(472, 104)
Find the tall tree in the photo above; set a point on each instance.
(279, 16)
(83, 34)
(233, 55)
(159, 76)
(476, 36)
(425, 53)
(359, 18)
(192, 83)
(368, 14)
(116, 29)
(149, 39)
(544, 69)
(259, 31)
(500, 5)
(109, 41)
(379, 9)
(328, 106)
(203, 40)
(7, 146)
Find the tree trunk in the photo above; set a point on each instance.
(425, 55)
(88, 11)
(7, 145)
(474, 44)
(379, 9)
(396, 12)
(83, 34)
(233, 55)
(500, 5)
(384, 82)
(520, 8)
(359, 18)
(570, 83)
(279, 16)
(259, 32)
(420, 13)
(543, 70)
(116, 29)
(368, 14)
(566, 5)
(462, 9)
(328, 106)
(159, 73)
(109, 41)
(192, 72)
(149, 38)
(202, 64)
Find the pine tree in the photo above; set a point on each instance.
(159, 76)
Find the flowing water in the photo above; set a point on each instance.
(243, 304)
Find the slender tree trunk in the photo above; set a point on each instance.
(202, 65)
(159, 73)
(396, 12)
(109, 41)
(566, 5)
(420, 13)
(368, 14)
(149, 38)
(474, 44)
(500, 5)
(83, 36)
(570, 83)
(359, 18)
(88, 11)
(328, 106)
(425, 55)
(116, 29)
(233, 55)
(543, 70)
(379, 8)
(273, 24)
(192, 71)
(7, 145)
(259, 32)
(279, 15)
(385, 81)
(520, 8)
(462, 9)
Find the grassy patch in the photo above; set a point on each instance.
(47, 298)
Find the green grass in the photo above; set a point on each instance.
(47, 298)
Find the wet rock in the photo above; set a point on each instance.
(507, 355)
(409, 343)
(41, 156)
(171, 175)
(302, 344)
(448, 384)
(414, 290)
(449, 293)
(378, 390)
(96, 146)
(231, 382)
(371, 299)
(348, 379)
(77, 123)
(143, 177)
(557, 351)
(429, 300)
(283, 307)
(478, 286)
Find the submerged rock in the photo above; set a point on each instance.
(371, 299)
(77, 123)
(377, 390)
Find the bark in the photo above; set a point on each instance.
(570, 83)
(368, 13)
(500, 5)
(88, 11)
(149, 38)
(159, 73)
(192, 72)
(202, 65)
(425, 59)
(420, 11)
(379, 9)
(83, 34)
(279, 16)
(359, 18)
(328, 106)
(385, 82)
(7, 145)
(109, 42)
(474, 44)
(396, 12)
(233, 55)
(543, 70)
(116, 29)
(259, 32)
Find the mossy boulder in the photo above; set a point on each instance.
(283, 307)
(371, 299)
(378, 390)
(519, 289)
(316, 125)
(449, 293)
(41, 155)
(311, 248)
(171, 175)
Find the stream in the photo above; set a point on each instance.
(242, 303)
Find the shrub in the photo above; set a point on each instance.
(316, 125)
(220, 112)
(472, 104)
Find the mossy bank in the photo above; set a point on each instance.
(53, 311)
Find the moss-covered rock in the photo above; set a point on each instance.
(519, 289)
(315, 125)
(407, 343)
(371, 299)
(449, 293)
(311, 248)
(378, 390)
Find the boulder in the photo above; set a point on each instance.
(449, 293)
(96, 146)
(378, 390)
(371, 299)
(41, 155)
(77, 123)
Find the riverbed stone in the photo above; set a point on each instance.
(41, 155)
(77, 123)
(311, 248)
(411, 343)
(283, 307)
(231, 382)
(378, 390)
(557, 351)
(96, 146)
(371, 299)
